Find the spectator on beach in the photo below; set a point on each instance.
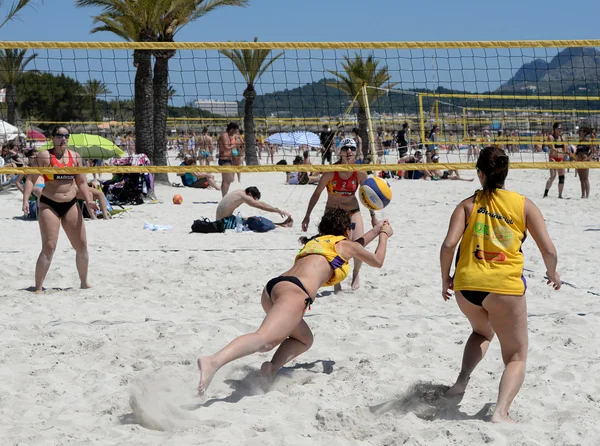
(583, 154)
(402, 138)
(205, 148)
(359, 145)
(432, 149)
(239, 152)
(327, 139)
(198, 180)
(226, 145)
(250, 196)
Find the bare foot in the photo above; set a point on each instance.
(267, 370)
(207, 371)
(85, 285)
(459, 387)
(337, 288)
(497, 418)
(39, 291)
(356, 283)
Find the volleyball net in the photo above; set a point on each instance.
(170, 101)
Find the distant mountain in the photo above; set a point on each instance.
(573, 71)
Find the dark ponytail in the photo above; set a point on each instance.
(493, 162)
(335, 222)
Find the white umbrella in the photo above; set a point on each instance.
(281, 139)
(306, 139)
(8, 131)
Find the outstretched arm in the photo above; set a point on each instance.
(323, 181)
(264, 206)
(537, 227)
(357, 250)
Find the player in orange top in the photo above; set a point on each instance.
(488, 282)
(58, 206)
(323, 260)
(341, 193)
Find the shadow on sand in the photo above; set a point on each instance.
(255, 384)
(427, 401)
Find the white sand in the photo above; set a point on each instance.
(117, 364)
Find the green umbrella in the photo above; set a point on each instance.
(90, 146)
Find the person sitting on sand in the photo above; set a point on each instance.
(446, 174)
(198, 180)
(250, 196)
(322, 261)
(488, 281)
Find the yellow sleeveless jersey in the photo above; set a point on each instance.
(325, 246)
(489, 257)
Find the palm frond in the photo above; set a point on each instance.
(13, 11)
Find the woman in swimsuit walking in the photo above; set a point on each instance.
(341, 193)
(321, 262)
(557, 155)
(583, 154)
(488, 281)
(58, 207)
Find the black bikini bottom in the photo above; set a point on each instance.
(61, 208)
(475, 297)
(271, 283)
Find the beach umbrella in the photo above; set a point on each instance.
(90, 146)
(35, 135)
(281, 139)
(305, 139)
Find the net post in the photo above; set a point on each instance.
(369, 122)
(464, 125)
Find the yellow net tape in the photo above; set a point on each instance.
(299, 45)
(289, 168)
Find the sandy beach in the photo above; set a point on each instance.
(116, 364)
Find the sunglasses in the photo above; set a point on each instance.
(62, 135)
(345, 149)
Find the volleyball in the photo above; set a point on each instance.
(375, 193)
(177, 199)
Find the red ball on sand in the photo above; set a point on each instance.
(177, 199)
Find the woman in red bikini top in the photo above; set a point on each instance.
(57, 206)
(341, 193)
(557, 154)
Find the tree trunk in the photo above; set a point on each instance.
(363, 132)
(11, 103)
(144, 103)
(249, 131)
(161, 107)
(94, 111)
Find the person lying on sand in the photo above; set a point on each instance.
(322, 261)
(250, 196)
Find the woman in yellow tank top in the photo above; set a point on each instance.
(322, 261)
(488, 283)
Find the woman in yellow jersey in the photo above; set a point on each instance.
(322, 261)
(488, 282)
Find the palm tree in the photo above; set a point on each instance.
(94, 88)
(175, 15)
(133, 21)
(13, 10)
(12, 66)
(359, 72)
(251, 64)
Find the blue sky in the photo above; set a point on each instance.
(203, 75)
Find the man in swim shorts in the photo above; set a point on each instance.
(250, 196)
(226, 147)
